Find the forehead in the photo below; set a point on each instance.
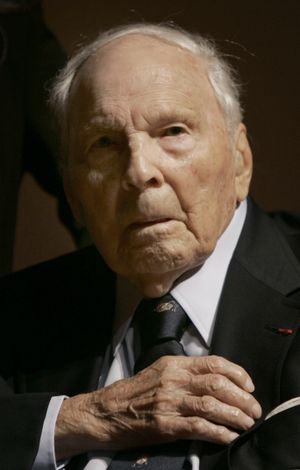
(138, 66)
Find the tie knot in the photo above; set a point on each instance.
(159, 321)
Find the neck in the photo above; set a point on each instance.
(156, 284)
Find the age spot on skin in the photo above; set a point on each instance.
(95, 176)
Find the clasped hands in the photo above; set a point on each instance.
(198, 398)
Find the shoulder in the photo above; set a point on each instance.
(59, 301)
(67, 268)
(67, 279)
(288, 223)
(273, 225)
(268, 248)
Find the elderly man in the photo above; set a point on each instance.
(157, 166)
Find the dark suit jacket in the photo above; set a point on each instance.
(56, 323)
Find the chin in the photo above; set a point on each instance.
(155, 277)
(153, 270)
(161, 259)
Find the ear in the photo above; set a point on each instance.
(243, 163)
(71, 198)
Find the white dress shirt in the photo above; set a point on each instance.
(198, 292)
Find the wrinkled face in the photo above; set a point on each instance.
(152, 172)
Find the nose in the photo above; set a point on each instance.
(143, 164)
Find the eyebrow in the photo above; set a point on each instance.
(101, 123)
(175, 116)
(161, 116)
(106, 122)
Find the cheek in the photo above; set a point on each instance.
(95, 194)
(95, 177)
(177, 147)
(208, 196)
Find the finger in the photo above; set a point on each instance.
(170, 405)
(220, 365)
(174, 365)
(192, 375)
(215, 411)
(171, 428)
(221, 388)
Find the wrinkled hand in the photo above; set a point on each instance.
(204, 398)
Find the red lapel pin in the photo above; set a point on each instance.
(285, 331)
(280, 330)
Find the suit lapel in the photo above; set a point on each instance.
(257, 303)
(248, 331)
(258, 314)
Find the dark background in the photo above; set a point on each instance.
(262, 40)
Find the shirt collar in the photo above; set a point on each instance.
(200, 292)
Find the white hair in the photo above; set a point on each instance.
(220, 73)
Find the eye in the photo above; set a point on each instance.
(105, 141)
(174, 131)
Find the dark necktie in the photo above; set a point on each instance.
(158, 327)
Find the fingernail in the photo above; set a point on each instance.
(233, 436)
(249, 385)
(256, 410)
(249, 422)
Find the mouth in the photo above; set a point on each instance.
(149, 223)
